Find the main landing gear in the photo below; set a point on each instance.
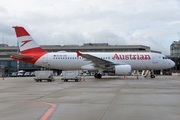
(98, 75)
(148, 73)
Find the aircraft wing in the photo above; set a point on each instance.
(98, 61)
(95, 59)
(19, 56)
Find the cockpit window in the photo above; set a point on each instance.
(165, 58)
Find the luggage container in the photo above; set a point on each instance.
(71, 75)
(44, 75)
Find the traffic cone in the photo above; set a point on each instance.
(126, 77)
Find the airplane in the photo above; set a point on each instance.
(117, 63)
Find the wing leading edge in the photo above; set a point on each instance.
(98, 62)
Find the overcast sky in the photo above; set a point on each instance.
(154, 23)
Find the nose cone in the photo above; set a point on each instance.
(168, 64)
(172, 63)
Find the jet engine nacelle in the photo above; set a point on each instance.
(123, 69)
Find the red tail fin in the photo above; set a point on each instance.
(27, 45)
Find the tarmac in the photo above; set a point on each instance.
(109, 98)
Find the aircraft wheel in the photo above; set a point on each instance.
(99, 76)
(95, 76)
(65, 80)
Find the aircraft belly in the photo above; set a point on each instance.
(63, 64)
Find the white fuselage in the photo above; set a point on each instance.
(138, 61)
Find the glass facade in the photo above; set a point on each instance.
(175, 55)
(11, 66)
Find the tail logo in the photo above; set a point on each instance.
(25, 42)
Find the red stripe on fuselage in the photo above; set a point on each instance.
(36, 53)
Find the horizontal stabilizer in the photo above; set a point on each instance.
(19, 56)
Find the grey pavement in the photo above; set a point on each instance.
(110, 98)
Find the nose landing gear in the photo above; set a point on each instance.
(148, 73)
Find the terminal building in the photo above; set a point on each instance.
(175, 54)
(9, 65)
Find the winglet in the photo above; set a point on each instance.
(78, 53)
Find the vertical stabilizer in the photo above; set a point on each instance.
(27, 45)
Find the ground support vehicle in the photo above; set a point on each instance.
(44, 75)
(71, 75)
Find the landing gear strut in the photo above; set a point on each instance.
(148, 73)
(152, 74)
